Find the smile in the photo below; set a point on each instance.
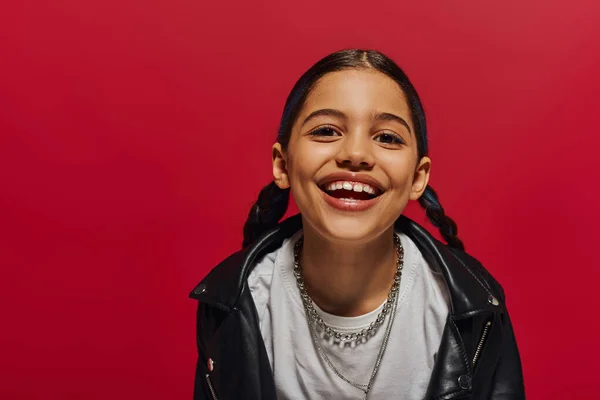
(346, 190)
(348, 195)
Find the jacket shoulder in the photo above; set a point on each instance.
(476, 267)
(225, 283)
(221, 282)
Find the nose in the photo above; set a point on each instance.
(355, 151)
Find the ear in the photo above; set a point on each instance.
(421, 178)
(280, 173)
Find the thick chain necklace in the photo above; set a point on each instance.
(314, 319)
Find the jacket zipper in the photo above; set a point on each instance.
(486, 330)
(210, 387)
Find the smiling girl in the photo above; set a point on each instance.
(350, 299)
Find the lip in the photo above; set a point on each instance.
(350, 205)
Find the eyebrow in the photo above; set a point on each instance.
(391, 117)
(330, 112)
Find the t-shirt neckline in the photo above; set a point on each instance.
(285, 262)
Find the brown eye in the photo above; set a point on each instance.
(326, 131)
(389, 138)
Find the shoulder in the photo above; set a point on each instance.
(470, 284)
(454, 258)
(226, 282)
(477, 268)
(220, 285)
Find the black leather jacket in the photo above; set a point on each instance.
(477, 359)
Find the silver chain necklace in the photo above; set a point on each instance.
(314, 319)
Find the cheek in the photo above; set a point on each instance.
(300, 170)
(306, 159)
(400, 169)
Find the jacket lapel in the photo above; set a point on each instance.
(474, 303)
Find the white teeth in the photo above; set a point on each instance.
(357, 187)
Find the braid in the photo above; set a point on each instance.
(435, 213)
(265, 214)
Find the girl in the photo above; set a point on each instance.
(350, 299)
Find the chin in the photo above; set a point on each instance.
(337, 227)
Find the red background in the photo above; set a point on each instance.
(135, 135)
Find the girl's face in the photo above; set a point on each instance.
(352, 160)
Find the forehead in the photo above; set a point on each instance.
(357, 92)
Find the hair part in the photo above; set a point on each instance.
(272, 201)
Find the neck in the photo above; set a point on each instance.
(348, 279)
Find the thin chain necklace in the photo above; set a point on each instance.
(314, 319)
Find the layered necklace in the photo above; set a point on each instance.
(350, 338)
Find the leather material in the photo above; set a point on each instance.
(228, 331)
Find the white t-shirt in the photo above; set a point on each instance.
(299, 370)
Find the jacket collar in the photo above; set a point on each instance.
(469, 293)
